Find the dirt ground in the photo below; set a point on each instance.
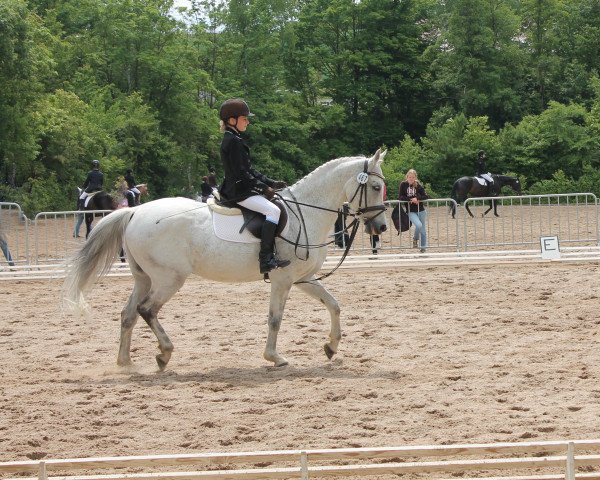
(430, 355)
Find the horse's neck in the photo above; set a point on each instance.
(324, 188)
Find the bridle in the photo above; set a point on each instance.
(360, 192)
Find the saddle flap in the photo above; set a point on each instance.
(250, 222)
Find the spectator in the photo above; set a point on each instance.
(206, 191)
(412, 191)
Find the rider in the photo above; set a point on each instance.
(131, 185)
(245, 186)
(482, 171)
(93, 183)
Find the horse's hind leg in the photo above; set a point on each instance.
(316, 290)
(469, 210)
(129, 314)
(159, 294)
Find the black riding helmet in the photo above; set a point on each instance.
(95, 163)
(234, 107)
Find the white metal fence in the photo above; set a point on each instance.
(550, 460)
(51, 237)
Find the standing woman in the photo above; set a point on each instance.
(245, 186)
(412, 191)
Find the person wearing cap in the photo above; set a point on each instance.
(245, 186)
(93, 183)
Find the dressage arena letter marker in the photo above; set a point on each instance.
(550, 248)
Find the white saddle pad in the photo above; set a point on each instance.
(481, 181)
(88, 198)
(227, 227)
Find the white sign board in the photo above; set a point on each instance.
(550, 247)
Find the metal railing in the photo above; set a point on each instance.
(522, 220)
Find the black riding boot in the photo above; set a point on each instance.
(80, 204)
(266, 258)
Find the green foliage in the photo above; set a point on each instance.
(130, 84)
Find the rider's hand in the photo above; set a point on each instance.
(278, 185)
(269, 193)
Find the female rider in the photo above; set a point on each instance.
(245, 186)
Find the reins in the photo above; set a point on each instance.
(362, 179)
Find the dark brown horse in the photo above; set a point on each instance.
(99, 201)
(466, 186)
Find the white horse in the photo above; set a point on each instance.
(166, 240)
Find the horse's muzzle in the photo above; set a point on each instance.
(373, 228)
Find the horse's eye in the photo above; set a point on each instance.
(377, 187)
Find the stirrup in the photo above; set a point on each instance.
(272, 264)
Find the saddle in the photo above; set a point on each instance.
(253, 221)
(89, 197)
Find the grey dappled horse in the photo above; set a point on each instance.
(166, 240)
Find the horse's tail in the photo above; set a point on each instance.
(95, 258)
(453, 192)
(453, 197)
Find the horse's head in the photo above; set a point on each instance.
(365, 194)
(516, 185)
(143, 188)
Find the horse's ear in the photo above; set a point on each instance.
(378, 157)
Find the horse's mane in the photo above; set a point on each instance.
(319, 170)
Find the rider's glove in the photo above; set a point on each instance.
(269, 193)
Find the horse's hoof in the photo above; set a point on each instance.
(328, 351)
(162, 364)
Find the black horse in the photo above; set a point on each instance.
(466, 186)
(99, 201)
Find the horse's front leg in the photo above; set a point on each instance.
(279, 295)
(316, 290)
(495, 208)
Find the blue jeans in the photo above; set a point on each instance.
(6, 251)
(419, 220)
(78, 223)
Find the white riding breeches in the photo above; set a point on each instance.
(135, 190)
(258, 203)
(83, 195)
(488, 178)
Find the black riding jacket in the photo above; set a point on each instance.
(481, 167)
(93, 181)
(130, 180)
(241, 180)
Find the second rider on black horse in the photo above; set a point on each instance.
(482, 172)
(93, 183)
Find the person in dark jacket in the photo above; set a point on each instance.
(206, 190)
(93, 182)
(245, 186)
(412, 191)
(132, 185)
(482, 170)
